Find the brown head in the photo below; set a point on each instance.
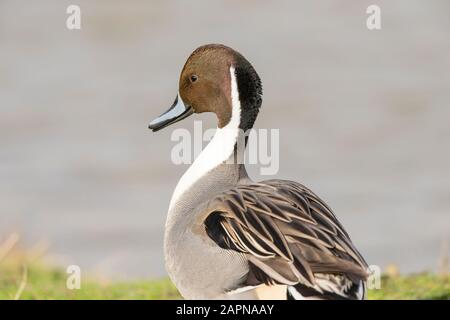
(206, 86)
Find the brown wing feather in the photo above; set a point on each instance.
(288, 234)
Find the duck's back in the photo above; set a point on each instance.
(289, 236)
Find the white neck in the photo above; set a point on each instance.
(218, 150)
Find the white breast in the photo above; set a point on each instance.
(194, 262)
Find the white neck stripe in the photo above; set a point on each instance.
(219, 149)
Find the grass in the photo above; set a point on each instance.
(24, 277)
(425, 286)
(50, 283)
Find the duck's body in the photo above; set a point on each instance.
(228, 237)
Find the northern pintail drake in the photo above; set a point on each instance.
(228, 237)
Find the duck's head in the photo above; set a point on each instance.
(215, 78)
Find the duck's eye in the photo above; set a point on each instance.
(194, 78)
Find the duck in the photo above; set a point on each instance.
(229, 237)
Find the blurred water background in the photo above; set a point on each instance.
(364, 120)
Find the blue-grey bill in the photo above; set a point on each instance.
(178, 111)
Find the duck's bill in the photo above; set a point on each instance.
(178, 111)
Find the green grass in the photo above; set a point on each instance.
(424, 286)
(50, 283)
